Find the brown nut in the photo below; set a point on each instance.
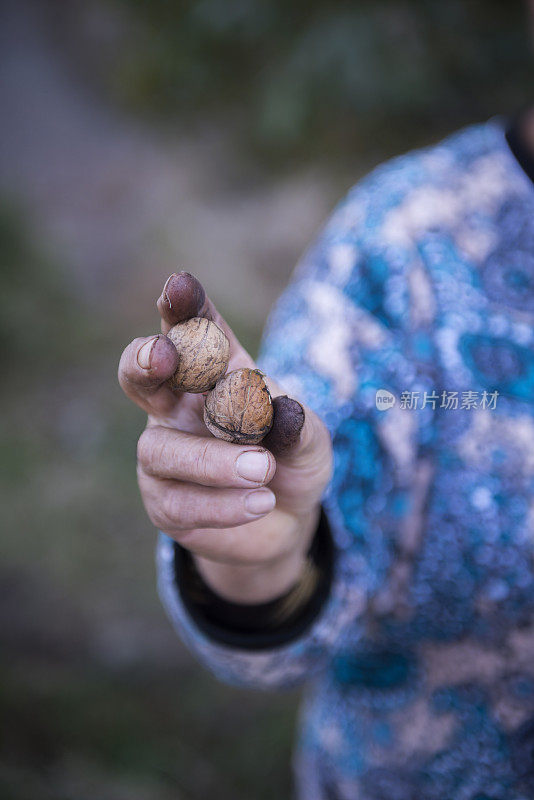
(204, 353)
(239, 408)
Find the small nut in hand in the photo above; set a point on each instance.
(204, 353)
(239, 408)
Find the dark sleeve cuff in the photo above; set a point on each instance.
(254, 627)
(519, 148)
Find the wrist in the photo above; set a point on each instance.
(259, 583)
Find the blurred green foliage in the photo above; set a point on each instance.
(73, 732)
(31, 299)
(41, 319)
(320, 75)
(80, 721)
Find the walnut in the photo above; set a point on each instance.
(239, 408)
(204, 353)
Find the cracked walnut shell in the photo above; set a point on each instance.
(239, 408)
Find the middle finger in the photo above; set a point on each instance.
(173, 454)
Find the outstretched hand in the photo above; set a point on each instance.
(246, 512)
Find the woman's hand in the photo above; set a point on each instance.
(246, 515)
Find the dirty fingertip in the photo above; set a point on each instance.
(183, 297)
(288, 422)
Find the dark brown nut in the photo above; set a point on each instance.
(239, 408)
(204, 353)
(287, 424)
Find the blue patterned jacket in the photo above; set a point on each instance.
(420, 664)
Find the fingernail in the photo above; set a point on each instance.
(253, 466)
(260, 502)
(144, 354)
(166, 300)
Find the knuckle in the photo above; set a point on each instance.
(145, 447)
(163, 524)
(152, 450)
(153, 508)
(203, 462)
(157, 519)
(140, 473)
(173, 509)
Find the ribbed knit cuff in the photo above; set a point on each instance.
(263, 625)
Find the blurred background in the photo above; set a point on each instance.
(139, 137)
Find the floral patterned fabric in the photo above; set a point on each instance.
(420, 668)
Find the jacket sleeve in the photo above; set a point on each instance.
(336, 337)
